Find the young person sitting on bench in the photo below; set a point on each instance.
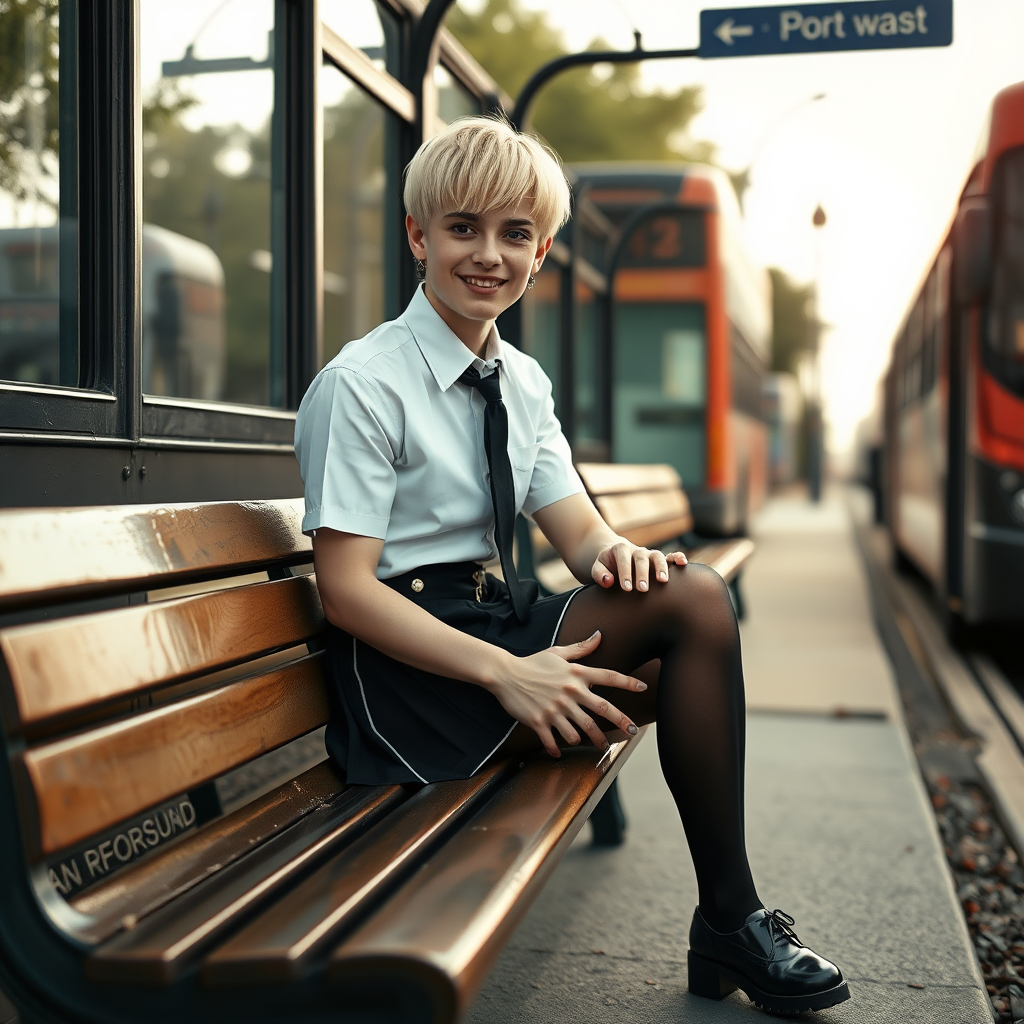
(419, 444)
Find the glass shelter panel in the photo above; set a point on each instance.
(454, 100)
(362, 24)
(206, 236)
(38, 194)
(660, 386)
(356, 132)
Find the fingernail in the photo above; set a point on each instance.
(626, 585)
(606, 579)
(662, 575)
(596, 632)
(632, 730)
(606, 746)
(641, 687)
(641, 585)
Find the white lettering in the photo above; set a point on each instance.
(908, 23)
(840, 18)
(127, 855)
(165, 828)
(811, 28)
(92, 862)
(106, 852)
(921, 15)
(150, 829)
(789, 21)
(188, 812)
(887, 26)
(135, 835)
(55, 882)
(865, 24)
(176, 825)
(71, 875)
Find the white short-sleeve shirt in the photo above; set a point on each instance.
(390, 445)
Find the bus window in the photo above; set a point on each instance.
(541, 315)
(206, 262)
(589, 444)
(355, 133)
(36, 252)
(660, 361)
(1004, 348)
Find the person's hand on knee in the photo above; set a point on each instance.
(633, 566)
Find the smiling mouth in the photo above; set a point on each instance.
(490, 284)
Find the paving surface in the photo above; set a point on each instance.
(838, 828)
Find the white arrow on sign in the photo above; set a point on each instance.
(729, 30)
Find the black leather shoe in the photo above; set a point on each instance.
(766, 960)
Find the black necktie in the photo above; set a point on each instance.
(503, 494)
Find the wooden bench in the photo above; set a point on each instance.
(647, 505)
(149, 656)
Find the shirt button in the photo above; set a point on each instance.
(417, 585)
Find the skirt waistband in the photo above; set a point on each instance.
(445, 581)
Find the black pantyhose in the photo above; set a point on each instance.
(697, 699)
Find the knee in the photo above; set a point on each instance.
(700, 598)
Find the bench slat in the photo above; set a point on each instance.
(58, 667)
(622, 478)
(657, 534)
(137, 891)
(448, 923)
(50, 554)
(277, 945)
(85, 784)
(727, 557)
(161, 947)
(642, 508)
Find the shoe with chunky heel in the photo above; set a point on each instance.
(766, 961)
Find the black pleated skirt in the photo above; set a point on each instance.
(393, 723)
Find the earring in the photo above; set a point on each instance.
(532, 281)
(421, 269)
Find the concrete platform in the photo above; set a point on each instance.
(839, 831)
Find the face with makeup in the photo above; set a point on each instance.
(478, 264)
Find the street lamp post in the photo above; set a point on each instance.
(815, 420)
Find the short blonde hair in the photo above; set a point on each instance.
(480, 164)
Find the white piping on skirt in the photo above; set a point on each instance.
(558, 624)
(496, 745)
(554, 635)
(369, 717)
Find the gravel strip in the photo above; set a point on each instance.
(989, 884)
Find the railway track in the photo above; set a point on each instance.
(965, 717)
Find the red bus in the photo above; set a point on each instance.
(954, 394)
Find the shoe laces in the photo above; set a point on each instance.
(783, 924)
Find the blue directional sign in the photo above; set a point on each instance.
(823, 28)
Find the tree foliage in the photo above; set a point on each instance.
(602, 113)
(794, 328)
(28, 100)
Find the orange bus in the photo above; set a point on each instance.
(691, 334)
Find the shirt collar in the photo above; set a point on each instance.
(447, 357)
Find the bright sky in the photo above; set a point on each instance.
(885, 153)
